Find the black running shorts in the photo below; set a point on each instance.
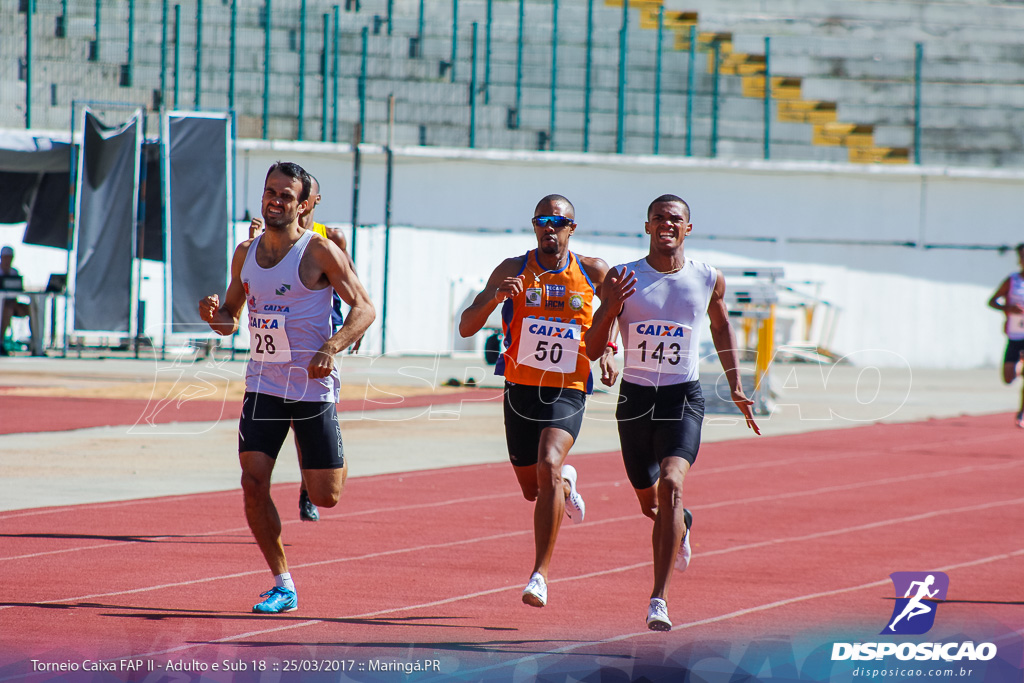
(264, 425)
(1014, 348)
(656, 423)
(529, 410)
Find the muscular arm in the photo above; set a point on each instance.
(616, 288)
(1003, 293)
(502, 284)
(725, 345)
(223, 318)
(597, 271)
(338, 237)
(337, 267)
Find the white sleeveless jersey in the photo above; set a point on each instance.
(1015, 321)
(288, 323)
(661, 323)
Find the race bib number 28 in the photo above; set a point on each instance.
(268, 342)
(659, 346)
(549, 346)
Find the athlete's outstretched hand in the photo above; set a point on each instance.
(609, 369)
(746, 407)
(617, 289)
(509, 288)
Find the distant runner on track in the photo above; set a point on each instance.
(1009, 298)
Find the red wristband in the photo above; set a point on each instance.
(613, 346)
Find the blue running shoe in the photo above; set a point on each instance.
(277, 600)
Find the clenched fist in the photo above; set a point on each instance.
(208, 307)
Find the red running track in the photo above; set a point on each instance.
(794, 540)
(26, 414)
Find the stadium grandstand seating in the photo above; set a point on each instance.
(843, 75)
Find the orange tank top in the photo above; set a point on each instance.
(544, 325)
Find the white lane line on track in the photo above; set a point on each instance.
(421, 506)
(862, 484)
(736, 614)
(569, 648)
(843, 455)
(368, 556)
(436, 546)
(866, 527)
(696, 472)
(112, 504)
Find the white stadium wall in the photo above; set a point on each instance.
(840, 232)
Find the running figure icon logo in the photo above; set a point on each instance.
(914, 612)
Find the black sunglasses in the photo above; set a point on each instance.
(553, 221)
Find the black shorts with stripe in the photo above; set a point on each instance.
(529, 410)
(264, 425)
(656, 423)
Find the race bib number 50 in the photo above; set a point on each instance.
(549, 346)
(659, 346)
(268, 342)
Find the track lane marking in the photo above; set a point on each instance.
(740, 613)
(450, 544)
(418, 473)
(575, 646)
(473, 499)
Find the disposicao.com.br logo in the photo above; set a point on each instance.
(914, 613)
(917, 597)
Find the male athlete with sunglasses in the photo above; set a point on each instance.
(547, 304)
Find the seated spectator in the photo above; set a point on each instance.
(11, 306)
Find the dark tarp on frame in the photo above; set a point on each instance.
(105, 235)
(34, 172)
(197, 209)
(35, 175)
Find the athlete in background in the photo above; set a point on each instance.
(1009, 299)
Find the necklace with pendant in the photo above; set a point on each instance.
(558, 266)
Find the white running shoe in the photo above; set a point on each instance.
(536, 592)
(657, 616)
(683, 557)
(575, 508)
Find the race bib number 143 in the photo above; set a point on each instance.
(658, 346)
